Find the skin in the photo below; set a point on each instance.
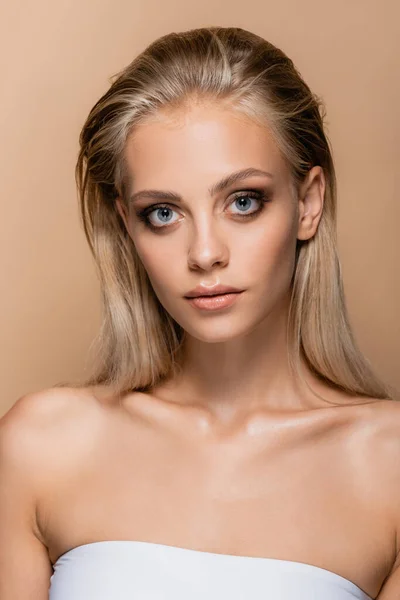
(232, 456)
(234, 361)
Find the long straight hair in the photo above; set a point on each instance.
(139, 343)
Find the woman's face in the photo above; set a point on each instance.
(243, 235)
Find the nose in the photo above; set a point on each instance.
(207, 249)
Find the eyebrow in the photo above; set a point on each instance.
(214, 189)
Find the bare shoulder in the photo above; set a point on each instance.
(36, 414)
(386, 417)
(381, 418)
(378, 425)
(44, 429)
(41, 404)
(33, 439)
(379, 428)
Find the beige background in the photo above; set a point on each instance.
(56, 58)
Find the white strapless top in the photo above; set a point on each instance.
(136, 570)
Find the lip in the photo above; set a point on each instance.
(216, 290)
(215, 302)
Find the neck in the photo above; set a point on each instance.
(244, 375)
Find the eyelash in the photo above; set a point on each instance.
(258, 195)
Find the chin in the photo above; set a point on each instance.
(213, 332)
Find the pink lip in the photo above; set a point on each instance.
(214, 302)
(202, 290)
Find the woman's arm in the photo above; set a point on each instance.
(391, 588)
(25, 567)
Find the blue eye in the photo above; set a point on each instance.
(243, 202)
(163, 212)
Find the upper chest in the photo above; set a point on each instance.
(308, 491)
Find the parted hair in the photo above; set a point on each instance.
(138, 343)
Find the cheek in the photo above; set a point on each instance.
(269, 253)
(160, 264)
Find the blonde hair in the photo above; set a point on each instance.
(139, 343)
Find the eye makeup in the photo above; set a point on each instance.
(258, 195)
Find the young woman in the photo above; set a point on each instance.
(231, 442)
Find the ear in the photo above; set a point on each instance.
(311, 203)
(123, 211)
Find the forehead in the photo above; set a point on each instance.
(201, 142)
